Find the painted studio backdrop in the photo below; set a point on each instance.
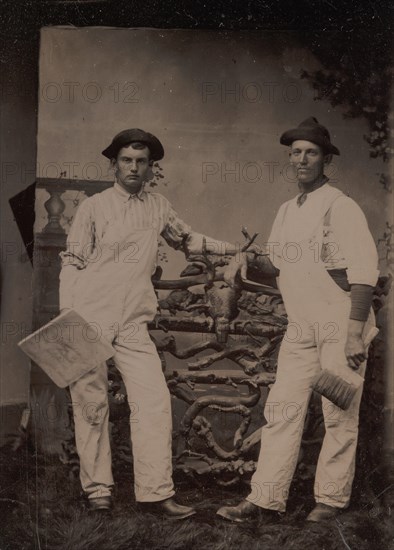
(218, 101)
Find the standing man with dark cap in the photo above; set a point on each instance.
(106, 277)
(326, 263)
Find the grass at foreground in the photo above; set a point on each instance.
(41, 509)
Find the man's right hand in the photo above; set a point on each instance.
(355, 351)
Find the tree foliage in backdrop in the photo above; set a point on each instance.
(357, 73)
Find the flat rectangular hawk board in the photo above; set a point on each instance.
(67, 347)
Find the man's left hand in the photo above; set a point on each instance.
(355, 351)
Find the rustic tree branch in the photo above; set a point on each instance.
(201, 403)
(202, 325)
(229, 377)
(169, 344)
(229, 353)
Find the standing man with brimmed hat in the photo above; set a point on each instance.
(106, 277)
(326, 263)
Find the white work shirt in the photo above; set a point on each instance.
(346, 241)
(139, 211)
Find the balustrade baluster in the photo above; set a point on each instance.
(55, 208)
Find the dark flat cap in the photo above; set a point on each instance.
(310, 130)
(135, 134)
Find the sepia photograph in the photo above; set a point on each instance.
(196, 276)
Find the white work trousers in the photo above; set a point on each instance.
(137, 360)
(285, 410)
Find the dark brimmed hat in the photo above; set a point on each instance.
(134, 134)
(310, 130)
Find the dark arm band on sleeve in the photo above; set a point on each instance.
(361, 300)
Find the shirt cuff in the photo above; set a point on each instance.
(70, 258)
(362, 276)
(68, 278)
(196, 243)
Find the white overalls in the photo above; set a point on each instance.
(115, 293)
(318, 312)
(106, 278)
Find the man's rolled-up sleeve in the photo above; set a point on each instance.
(179, 235)
(356, 242)
(80, 244)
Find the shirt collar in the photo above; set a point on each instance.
(302, 197)
(126, 196)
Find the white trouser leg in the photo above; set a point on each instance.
(336, 465)
(150, 420)
(285, 412)
(90, 406)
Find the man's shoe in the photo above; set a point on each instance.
(323, 512)
(169, 508)
(245, 511)
(100, 504)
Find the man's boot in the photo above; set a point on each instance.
(323, 512)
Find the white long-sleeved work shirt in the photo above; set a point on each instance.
(138, 210)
